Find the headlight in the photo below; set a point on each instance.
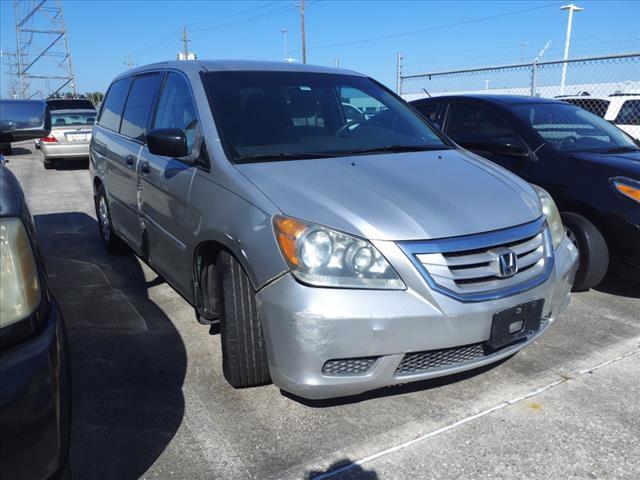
(19, 285)
(552, 215)
(627, 187)
(323, 257)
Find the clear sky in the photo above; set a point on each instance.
(431, 35)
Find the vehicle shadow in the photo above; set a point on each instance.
(393, 390)
(71, 164)
(17, 151)
(343, 469)
(128, 360)
(618, 286)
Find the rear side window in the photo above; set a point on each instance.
(114, 104)
(139, 103)
(629, 113)
(176, 108)
(429, 110)
(469, 125)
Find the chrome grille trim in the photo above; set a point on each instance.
(465, 268)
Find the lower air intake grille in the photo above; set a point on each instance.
(420, 362)
(348, 366)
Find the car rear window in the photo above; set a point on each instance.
(112, 107)
(62, 119)
(629, 113)
(70, 104)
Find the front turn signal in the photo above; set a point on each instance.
(627, 187)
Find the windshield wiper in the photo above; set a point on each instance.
(397, 149)
(626, 149)
(282, 156)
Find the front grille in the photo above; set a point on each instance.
(348, 366)
(420, 362)
(468, 267)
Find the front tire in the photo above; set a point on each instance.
(48, 164)
(112, 242)
(244, 353)
(594, 254)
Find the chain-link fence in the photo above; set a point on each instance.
(608, 86)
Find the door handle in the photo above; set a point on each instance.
(130, 160)
(144, 167)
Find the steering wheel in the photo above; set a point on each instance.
(567, 141)
(342, 129)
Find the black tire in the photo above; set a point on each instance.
(6, 149)
(594, 254)
(48, 164)
(112, 242)
(244, 354)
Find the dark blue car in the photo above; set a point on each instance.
(590, 167)
(34, 356)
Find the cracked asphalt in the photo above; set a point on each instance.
(150, 400)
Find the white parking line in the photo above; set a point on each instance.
(471, 418)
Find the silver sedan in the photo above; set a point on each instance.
(70, 136)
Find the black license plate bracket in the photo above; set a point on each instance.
(515, 323)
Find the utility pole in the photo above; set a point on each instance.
(534, 68)
(399, 74)
(572, 8)
(185, 43)
(337, 62)
(284, 40)
(304, 43)
(130, 63)
(524, 46)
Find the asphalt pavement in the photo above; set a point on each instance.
(150, 400)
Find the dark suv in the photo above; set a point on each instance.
(590, 167)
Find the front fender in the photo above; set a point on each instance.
(219, 215)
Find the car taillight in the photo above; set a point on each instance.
(50, 139)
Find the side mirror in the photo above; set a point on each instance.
(508, 147)
(23, 120)
(168, 142)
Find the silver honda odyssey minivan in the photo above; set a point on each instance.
(337, 253)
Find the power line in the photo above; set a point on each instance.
(234, 14)
(431, 29)
(242, 21)
(173, 36)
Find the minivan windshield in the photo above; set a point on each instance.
(263, 116)
(567, 128)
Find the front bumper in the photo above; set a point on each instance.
(305, 327)
(65, 150)
(35, 403)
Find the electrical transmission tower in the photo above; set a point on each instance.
(41, 66)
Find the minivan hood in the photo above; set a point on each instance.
(400, 196)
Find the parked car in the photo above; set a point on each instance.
(34, 358)
(70, 136)
(337, 256)
(590, 168)
(621, 109)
